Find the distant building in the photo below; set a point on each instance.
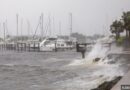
(79, 37)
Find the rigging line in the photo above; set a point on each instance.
(36, 29)
(28, 27)
(47, 27)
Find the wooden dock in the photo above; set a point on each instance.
(30, 47)
(20, 46)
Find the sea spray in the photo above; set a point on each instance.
(102, 69)
(99, 51)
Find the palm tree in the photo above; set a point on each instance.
(116, 28)
(126, 23)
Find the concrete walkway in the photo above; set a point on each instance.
(124, 81)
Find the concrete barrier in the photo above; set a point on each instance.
(125, 81)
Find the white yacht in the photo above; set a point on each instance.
(51, 44)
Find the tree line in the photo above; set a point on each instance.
(122, 25)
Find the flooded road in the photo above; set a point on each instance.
(53, 71)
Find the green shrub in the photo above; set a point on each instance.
(120, 40)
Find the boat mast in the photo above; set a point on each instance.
(4, 31)
(50, 25)
(17, 24)
(53, 24)
(6, 27)
(41, 19)
(70, 27)
(60, 28)
(28, 27)
(0, 28)
(21, 27)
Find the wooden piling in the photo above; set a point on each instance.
(34, 46)
(55, 47)
(38, 47)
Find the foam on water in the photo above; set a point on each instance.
(103, 71)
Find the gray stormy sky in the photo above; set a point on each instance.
(89, 16)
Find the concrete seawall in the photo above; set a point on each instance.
(124, 81)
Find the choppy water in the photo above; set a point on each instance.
(56, 71)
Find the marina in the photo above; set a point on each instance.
(49, 44)
(65, 45)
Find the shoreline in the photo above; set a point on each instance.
(108, 85)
